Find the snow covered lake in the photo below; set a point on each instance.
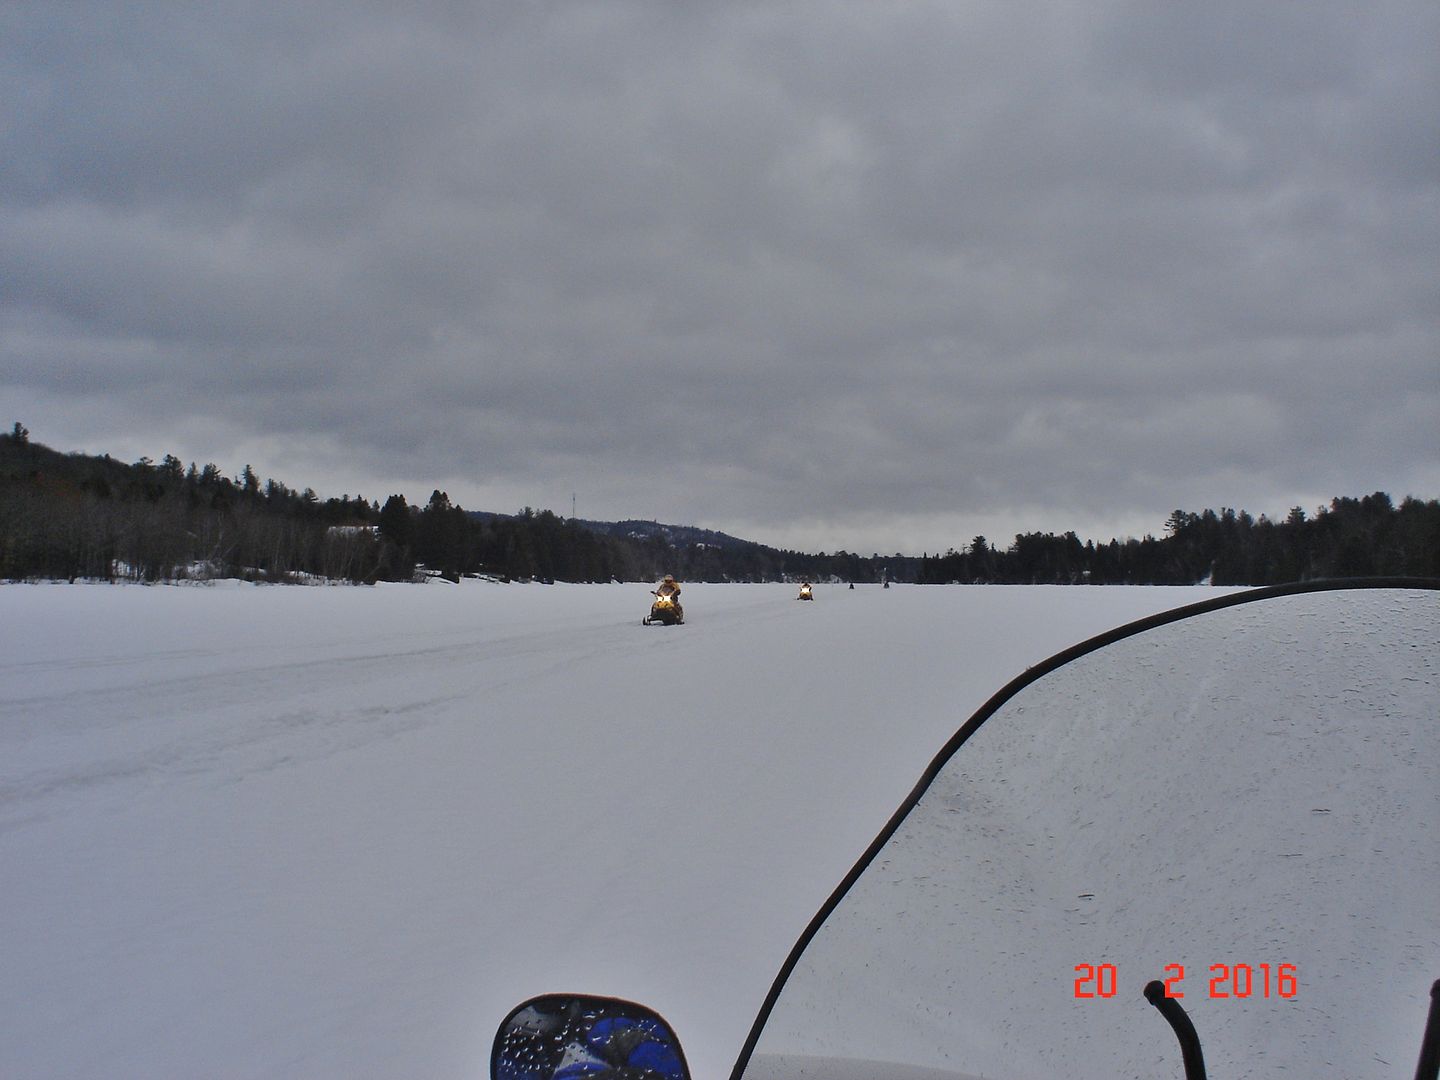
(262, 831)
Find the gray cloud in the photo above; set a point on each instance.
(842, 274)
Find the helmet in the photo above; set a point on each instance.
(669, 577)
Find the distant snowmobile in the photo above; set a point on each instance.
(666, 609)
(805, 592)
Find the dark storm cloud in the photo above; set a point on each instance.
(803, 268)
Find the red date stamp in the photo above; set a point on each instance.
(1226, 980)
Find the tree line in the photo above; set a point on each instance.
(73, 516)
(1349, 538)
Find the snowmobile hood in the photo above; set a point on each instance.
(1236, 800)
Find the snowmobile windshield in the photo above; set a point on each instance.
(1242, 803)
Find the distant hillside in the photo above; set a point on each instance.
(677, 536)
(654, 548)
(674, 535)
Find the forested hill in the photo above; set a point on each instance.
(70, 516)
(672, 535)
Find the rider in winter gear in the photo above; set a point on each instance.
(670, 588)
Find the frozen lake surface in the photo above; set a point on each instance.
(260, 831)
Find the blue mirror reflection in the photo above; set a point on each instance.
(577, 1037)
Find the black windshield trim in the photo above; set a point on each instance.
(992, 706)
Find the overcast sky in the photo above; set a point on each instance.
(876, 276)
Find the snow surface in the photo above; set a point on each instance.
(253, 831)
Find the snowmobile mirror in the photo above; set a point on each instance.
(1237, 802)
(578, 1037)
